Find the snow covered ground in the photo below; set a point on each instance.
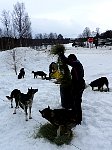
(95, 133)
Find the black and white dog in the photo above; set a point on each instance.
(60, 118)
(23, 100)
(100, 82)
(39, 73)
(21, 73)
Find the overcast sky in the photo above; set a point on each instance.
(66, 17)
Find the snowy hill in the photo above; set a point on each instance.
(95, 133)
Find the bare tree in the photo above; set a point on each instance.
(39, 36)
(1, 42)
(52, 36)
(21, 21)
(6, 20)
(0, 32)
(55, 36)
(98, 30)
(15, 59)
(45, 36)
(26, 30)
(80, 36)
(86, 33)
(60, 36)
(12, 60)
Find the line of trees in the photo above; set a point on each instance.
(16, 31)
(98, 38)
(95, 34)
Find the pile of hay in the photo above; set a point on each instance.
(49, 132)
(65, 75)
(57, 49)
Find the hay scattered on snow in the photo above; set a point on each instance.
(49, 132)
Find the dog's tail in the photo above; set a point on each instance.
(9, 98)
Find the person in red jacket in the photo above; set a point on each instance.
(78, 83)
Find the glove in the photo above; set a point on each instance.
(61, 54)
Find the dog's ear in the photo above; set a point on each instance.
(40, 111)
(29, 89)
(48, 107)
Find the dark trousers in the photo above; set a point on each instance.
(66, 96)
(77, 98)
(71, 97)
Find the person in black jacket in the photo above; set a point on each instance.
(78, 83)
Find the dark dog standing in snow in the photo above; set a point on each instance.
(21, 74)
(100, 82)
(60, 118)
(14, 94)
(39, 73)
(23, 100)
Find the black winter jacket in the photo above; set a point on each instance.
(77, 71)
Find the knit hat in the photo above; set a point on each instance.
(72, 56)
